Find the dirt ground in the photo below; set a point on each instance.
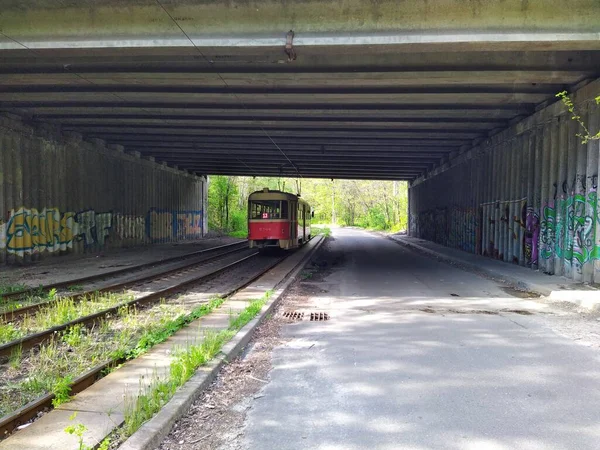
(53, 269)
(216, 420)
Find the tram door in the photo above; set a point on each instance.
(303, 223)
(294, 222)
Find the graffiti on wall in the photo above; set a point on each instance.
(129, 227)
(29, 231)
(163, 226)
(455, 227)
(574, 237)
(531, 236)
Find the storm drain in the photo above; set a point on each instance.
(318, 316)
(294, 315)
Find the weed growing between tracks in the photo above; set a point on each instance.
(151, 398)
(59, 312)
(78, 349)
(10, 288)
(38, 296)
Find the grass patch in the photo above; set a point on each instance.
(75, 288)
(152, 397)
(325, 231)
(78, 349)
(6, 288)
(238, 234)
(61, 311)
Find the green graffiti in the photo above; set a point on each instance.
(571, 233)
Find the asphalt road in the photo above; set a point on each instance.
(421, 355)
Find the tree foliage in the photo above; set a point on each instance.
(381, 205)
(586, 136)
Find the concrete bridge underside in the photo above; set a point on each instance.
(377, 89)
(456, 97)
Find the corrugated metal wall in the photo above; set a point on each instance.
(528, 195)
(60, 194)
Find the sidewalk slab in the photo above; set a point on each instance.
(555, 288)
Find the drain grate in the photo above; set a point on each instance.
(318, 316)
(293, 315)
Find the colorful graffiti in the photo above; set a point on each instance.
(531, 236)
(32, 231)
(29, 231)
(94, 227)
(189, 224)
(574, 238)
(163, 226)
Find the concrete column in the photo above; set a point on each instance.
(497, 174)
(513, 205)
(205, 204)
(590, 224)
(552, 195)
(595, 149)
(537, 200)
(579, 204)
(488, 206)
(561, 201)
(547, 206)
(4, 168)
(570, 196)
(505, 198)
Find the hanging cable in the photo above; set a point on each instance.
(240, 101)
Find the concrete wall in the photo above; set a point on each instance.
(60, 194)
(528, 195)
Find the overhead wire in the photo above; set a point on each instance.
(240, 101)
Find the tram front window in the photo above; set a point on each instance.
(268, 209)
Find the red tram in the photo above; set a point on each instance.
(277, 219)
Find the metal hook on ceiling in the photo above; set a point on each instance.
(289, 46)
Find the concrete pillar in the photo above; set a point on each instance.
(588, 233)
(579, 205)
(570, 196)
(552, 196)
(561, 200)
(4, 168)
(595, 149)
(497, 174)
(514, 202)
(547, 205)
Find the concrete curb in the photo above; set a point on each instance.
(152, 433)
(587, 297)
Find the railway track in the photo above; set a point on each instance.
(113, 273)
(29, 411)
(185, 276)
(15, 314)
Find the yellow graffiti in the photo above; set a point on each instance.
(30, 231)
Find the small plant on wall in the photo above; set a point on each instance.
(586, 136)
